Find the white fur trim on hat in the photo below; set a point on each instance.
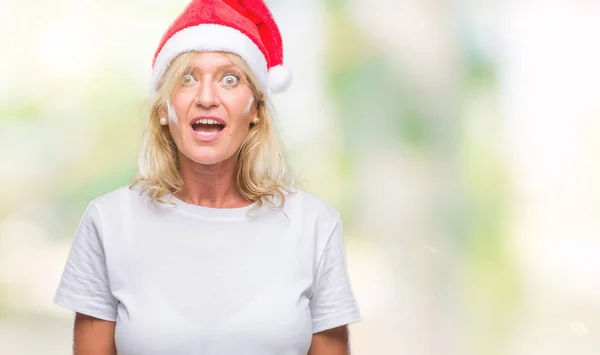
(280, 78)
(210, 37)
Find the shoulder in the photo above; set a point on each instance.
(113, 200)
(311, 206)
(109, 210)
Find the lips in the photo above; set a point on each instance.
(213, 118)
(207, 128)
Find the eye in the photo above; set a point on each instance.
(187, 79)
(231, 79)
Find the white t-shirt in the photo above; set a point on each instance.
(188, 279)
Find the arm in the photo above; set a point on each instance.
(93, 336)
(330, 342)
(84, 289)
(332, 305)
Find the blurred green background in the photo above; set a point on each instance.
(459, 140)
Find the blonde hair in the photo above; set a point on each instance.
(260, 166)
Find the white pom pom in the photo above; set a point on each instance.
(279, 79)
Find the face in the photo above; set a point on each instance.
(211, 109)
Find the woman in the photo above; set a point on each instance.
(211, 251)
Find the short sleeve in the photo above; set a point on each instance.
(84, 286)
(333, 303)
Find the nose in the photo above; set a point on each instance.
(207, 94)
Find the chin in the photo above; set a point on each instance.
(206, 156)
(207, 159)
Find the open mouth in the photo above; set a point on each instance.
(207, 127)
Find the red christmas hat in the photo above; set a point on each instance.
(243, 27)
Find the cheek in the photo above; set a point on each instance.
(180, 103)
(240, 111)
(249, 106)
(172, 114)
(176, 110)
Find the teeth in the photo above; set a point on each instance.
(202, 133)
(206, 121)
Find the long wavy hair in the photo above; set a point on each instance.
(261, 173)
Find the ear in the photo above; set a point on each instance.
(253, 117)
(254, 109)
(162, 111)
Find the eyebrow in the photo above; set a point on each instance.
(220, 68)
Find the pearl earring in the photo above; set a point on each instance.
(163, 121)
(255, 120)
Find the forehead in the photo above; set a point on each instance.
(209, 61)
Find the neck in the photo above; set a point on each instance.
(210, 185)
